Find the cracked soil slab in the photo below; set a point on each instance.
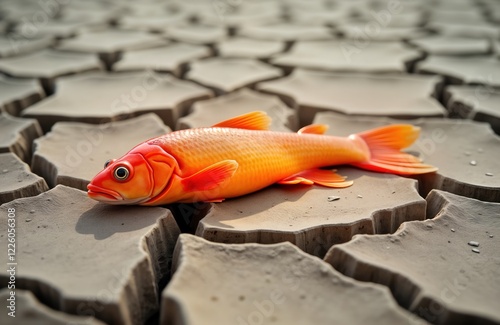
(103, 97)
(229, 74)
(305, 216)
(476, 103)
(170, 58)
(286, 32)
(196, 34)
(71, 248)
(29, 311)
(449, 45)
(357, 94)
(17, 94)
(282, 285)
(209, 112)
(48, 65)
(17, 179)
(73, 153)
(434, 268)
(463, 70)
(17, 135)
(249, 48)
(338, 56)
(13, 44)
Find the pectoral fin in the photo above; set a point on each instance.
(210, 177)
(317, 176)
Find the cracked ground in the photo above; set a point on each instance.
(84, 82)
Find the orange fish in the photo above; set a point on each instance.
(240, 156)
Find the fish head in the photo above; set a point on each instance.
(135, 178)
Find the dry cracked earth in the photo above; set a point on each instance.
(83, 82)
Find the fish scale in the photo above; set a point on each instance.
(264, 157)
(239, 156)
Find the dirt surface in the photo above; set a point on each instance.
(84, 82)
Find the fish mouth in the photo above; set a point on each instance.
(101, 194)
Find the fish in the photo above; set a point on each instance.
(241, 155)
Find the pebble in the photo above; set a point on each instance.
(473, 243)
(491, 236)
(333, 198)
(452, 230)
(467, 153)
(360, 196)
(475, 250)
(473, 163)
(5, 170)
(28, 220)
(489, 174)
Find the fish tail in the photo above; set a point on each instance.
(384, 145)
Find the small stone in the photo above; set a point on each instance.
(32, 211)
(360, 196)
(475, 250)
(452, 230)
(491, 236)
(473, 243)
(467, 153)
(429, 226)
(28, 220)
(5, 171)
(473, 163)
(489, 174)
(333, 198)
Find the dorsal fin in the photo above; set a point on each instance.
(251, 121)
(313, 129)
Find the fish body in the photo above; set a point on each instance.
(240, 156)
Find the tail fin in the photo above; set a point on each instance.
(385, 143)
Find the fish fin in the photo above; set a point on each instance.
(251, 121)
(210, 177)
(313, 129)
(385, 143)
(322, 177)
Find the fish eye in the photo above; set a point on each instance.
(121, 173)
(109, 161)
